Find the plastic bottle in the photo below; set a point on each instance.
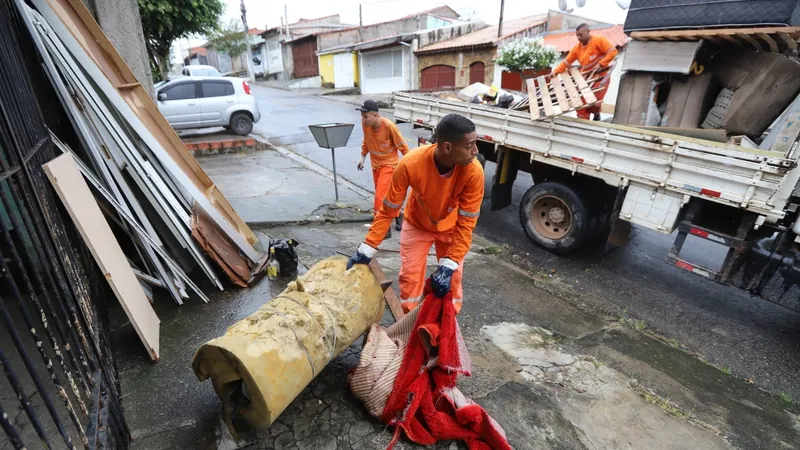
(273, 266)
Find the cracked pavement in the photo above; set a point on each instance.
(552, 375)
(555, 376)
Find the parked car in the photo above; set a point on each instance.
(203, 102)
(198, 70)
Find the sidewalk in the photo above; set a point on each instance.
(268, 189)
(344, 95)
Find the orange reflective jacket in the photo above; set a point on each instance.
(599, 50)
(437, 202)
(383, 145)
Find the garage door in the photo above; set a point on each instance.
(383, 71)
(343, 74)
(304, 57)
(438, 77)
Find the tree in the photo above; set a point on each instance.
(528, 53)
(164, 21)
(229, 39)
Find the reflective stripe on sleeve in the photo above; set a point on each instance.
(392, 205)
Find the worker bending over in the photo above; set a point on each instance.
(382, 141)
(594, 54)
(446, 183)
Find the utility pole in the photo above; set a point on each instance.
(500, 24)
(286, 19)
(249, 52)
(360, 23)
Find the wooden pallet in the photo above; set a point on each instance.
(562, 93)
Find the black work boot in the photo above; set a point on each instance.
(388, 233)
(398, 222)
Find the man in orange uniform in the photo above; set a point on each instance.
(446, 181)
(382, 141)
(592, 53)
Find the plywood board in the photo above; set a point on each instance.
(652, 56)
(533, 99)
(81, 25)
(544, 92)
(74, 193)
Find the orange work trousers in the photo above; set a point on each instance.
(382, 176)
(415, 243)
(600, 95)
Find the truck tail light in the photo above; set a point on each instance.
(246, 87)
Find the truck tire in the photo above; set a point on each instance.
(482, 160)
(241, 124)
(554, 217)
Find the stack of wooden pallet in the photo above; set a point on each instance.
(559, 94)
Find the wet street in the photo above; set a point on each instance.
(752, 337)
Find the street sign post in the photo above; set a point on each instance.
(332, 136)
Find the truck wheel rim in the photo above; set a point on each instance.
(551, 217)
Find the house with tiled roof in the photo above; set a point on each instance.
(289, 51)
(470, 58)
(197, 55)
(382, 50)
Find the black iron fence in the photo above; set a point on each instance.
(60, 386)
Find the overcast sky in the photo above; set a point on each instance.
(267, 14)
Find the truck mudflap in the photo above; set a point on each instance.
(508, 162)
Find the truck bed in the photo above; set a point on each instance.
(756, 180)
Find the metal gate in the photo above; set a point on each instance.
(60, 386)
(477, 72)
(439, 76)
(304, 57)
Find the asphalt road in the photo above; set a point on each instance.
(752, 337)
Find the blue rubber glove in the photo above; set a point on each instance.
(363, 255)
(441, 279)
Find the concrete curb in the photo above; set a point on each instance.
(215, 147)
(311, 165)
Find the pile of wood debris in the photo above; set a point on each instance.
(149, 213)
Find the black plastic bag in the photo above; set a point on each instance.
(286, 255)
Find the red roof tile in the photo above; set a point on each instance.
(486, 36)
(565, 40)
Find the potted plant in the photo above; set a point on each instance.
(527, 58)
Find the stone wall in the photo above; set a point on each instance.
(461, 60)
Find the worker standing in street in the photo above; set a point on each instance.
(382, 141)
(446, 181)
(594, 55)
